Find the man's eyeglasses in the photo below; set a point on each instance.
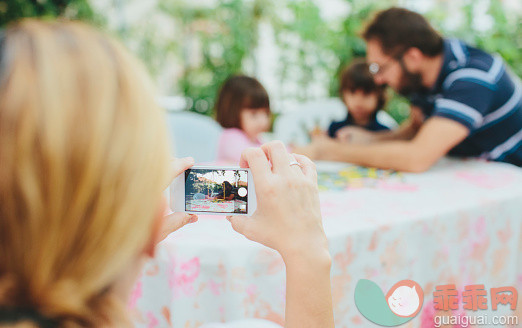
(377, 69)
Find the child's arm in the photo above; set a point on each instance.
(406, 131)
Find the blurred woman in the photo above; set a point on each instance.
(84, 162)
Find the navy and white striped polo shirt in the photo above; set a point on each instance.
(477, 90)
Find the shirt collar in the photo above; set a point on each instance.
(455, 57)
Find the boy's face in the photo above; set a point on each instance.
(361, 105)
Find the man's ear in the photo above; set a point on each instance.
(413, 59)
(156, 230)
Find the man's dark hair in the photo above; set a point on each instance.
(399, 29)
(357, 77)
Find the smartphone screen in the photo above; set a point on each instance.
(218, 191)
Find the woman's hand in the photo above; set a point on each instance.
(288, 217)
(175, 221)
(309, 150)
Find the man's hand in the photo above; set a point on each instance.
(320, 147)
(416, 117)
(355, 134)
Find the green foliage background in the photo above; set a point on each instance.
(309, 46)
(11, 10)
(321, 46)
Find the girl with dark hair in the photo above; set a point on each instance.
(243, 109)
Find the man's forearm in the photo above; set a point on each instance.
(436, 137)
(396, 155)
(405, 132)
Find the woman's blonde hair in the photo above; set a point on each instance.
(83, 161)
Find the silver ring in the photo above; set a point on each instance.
(295, 163)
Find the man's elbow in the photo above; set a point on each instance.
(418, 163)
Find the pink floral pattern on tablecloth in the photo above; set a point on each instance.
(459, 223)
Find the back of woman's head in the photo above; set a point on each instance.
(84, 159)
(239, 92)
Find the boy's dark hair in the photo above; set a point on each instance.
(356, 77)
(239, 92)
(398, 29)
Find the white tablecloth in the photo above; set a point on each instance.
(458, 223)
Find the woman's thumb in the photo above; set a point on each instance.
(244, 225)
(176, 221)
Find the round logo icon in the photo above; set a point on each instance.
(401, 304)
(405, 298)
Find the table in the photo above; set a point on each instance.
(460, 223)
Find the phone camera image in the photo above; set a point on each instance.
(218, 191)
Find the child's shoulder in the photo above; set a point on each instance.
(233, 132)
(377, 125)
(234, 135)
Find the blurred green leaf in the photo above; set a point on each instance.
(12, 10)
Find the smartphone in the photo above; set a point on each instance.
(215, 190)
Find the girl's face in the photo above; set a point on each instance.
(254, 121)
(361, 105)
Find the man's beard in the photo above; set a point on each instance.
(409, 83)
